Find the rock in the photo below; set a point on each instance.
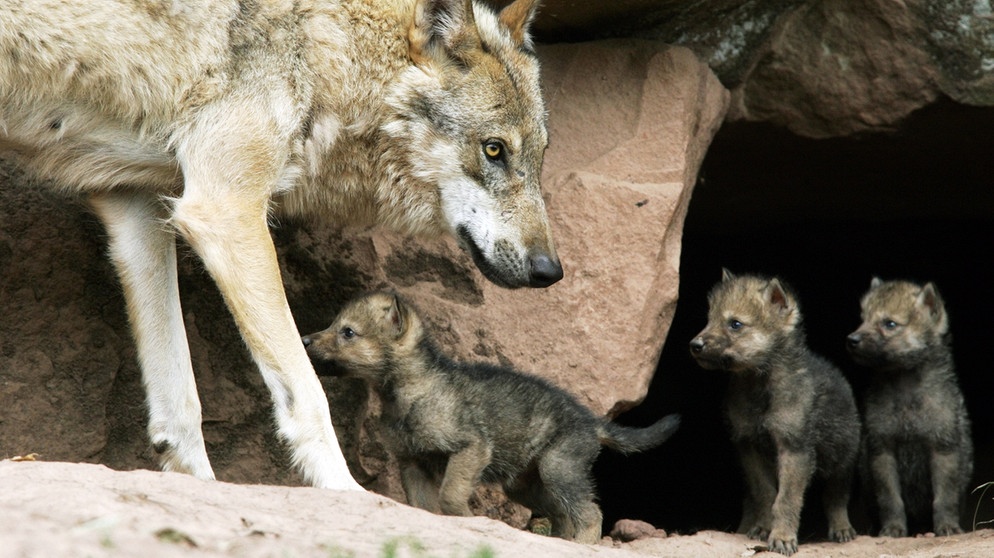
(627, 530)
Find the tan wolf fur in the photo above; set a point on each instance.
(791, 412)
(453, 425)
(203, 117)
(918, 450)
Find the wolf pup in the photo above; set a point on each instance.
(791, 412)
(200, 118)
(453, 425)
(917, 433)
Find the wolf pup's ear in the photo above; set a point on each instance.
(448, 24)
(726, 275)
(875, 282)
(396, 316)
(778, 296)
(518, 17)
(930, 299)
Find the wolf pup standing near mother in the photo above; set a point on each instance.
(792, 414)
(201, 117)
(454, 424)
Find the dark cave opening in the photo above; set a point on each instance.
(826, 216)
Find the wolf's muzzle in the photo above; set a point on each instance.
(543, 271)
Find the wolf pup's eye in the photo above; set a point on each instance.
(493, 150)
(889, 324)
(734, 324)
(347, 332)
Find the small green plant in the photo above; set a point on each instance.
(416, 549)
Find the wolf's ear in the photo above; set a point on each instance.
(446, 24)
(777, 295)
(397, 316)
(930, 299)
(726, 275)
(518, 17)
(875, 282)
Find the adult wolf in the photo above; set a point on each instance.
(201, 117)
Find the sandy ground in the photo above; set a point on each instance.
(65, 509)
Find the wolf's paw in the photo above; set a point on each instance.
(948, 529)
(845, 534)
(758, 532)
(786, 544)
(894, 530)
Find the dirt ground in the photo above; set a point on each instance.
(66, 509)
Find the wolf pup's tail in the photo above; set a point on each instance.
(627, 440)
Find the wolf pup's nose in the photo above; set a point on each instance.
(854, 339)
(306, 340)
(697, 345)
(544, 271)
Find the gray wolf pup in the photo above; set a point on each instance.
(917, 432)
(792, 414)
(454, 425)
(203, 117)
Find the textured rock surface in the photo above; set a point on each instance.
(629, 121)
(819, 67)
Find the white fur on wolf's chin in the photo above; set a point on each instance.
(465, 204)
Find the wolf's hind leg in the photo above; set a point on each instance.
(143, 249)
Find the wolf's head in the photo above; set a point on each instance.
(902, 323)
(368, 337)
(748, 317)
(471, 117)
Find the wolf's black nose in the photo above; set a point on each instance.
(854, 339)
(306, 340)
(544, 271)
(696, 345)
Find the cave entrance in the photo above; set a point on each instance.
(825, 215)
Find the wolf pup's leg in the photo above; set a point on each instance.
(233, 158)
(836, 503)
(143, 249)
(794, 470)
(761, 491)
(462, 474)
(946, 490)
(420, 487)
(887, 489)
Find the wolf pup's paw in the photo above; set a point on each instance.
(894, 530)
(759, 533)
(845, 534)
(783, 543)
(948, 529)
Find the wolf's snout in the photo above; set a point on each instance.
(854, 339)
(306, 340)
(544, 271)
(697, 345)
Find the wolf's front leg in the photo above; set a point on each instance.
(143, 249)
(462, 473)
(887, 489)
(945, 469)
(232, 161)
(794, 471)
(761, 491)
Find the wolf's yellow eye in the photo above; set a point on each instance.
(493, 150)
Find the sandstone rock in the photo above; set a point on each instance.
(627, 530)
